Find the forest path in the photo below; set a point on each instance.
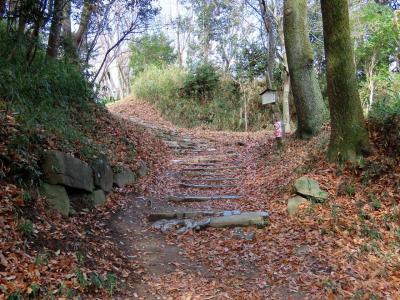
(215, 263)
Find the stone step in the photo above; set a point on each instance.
(210, 179)
(207, 186)
(194, 198)
(211, 169)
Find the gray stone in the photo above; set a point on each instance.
(97, 198)
(143, 169)
(63, 169)
(310, 188)
(124, 177)
(257, 218)
(57, 198)
(103, 174)
(294, 203)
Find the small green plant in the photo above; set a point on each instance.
(35, 290)
(110, 283)
(81, 277)
(42, 259)
(80, 258)
(330, 286)
(350, 189)
(96, 280)
(15, 296)
(27, 228)
(374, 201)
(26, 196)
(370, 231)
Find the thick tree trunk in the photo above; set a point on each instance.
(310, 108)
(55, 29)
(349, 136)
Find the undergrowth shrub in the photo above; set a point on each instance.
(39, 101)
(384, 124)
(182, 99)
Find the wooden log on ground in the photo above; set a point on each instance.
(201, 198)
(259, 219)
(207, 186)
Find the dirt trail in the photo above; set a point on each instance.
(187, 266)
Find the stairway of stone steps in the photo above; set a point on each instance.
(206, 184)
(207, 179)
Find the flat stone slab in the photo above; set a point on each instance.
(206, 186)
(201, 198)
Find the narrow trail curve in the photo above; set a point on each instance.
(187, 266)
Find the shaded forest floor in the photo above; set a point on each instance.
(347, 247)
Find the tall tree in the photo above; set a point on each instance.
(55, 29)
(310, 107)
(349, 136)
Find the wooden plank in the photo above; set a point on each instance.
(201, 198)
(207, 186)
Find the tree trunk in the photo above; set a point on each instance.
(310, 108)
(285, 82)
(68, 42)
(55, 30)
(86, 14)
(267, 19)
(349, 136)
(285, 102)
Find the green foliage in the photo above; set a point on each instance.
(164, 87)
(151, 50)
(251, 61)
(27, 228)
(201, 83)
(48, 100)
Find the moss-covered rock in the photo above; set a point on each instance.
(56, 197)
(310, 188)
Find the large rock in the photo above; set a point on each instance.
(63, 169)
(294, 203)
(310, 188)
(97, 198)
(57, 198)
(103, 174)
(143, 169)
(124, 177)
